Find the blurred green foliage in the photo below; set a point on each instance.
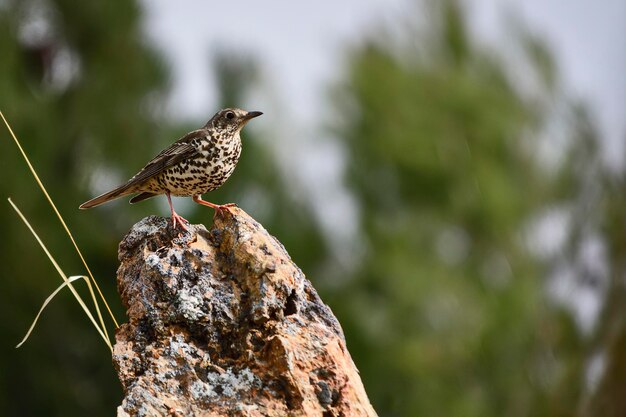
(449, 311)
(445, 302)
(440, 160)
(76, 80)
(84, 93)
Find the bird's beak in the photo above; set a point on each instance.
(252, 115)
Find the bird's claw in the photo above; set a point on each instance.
(176, 218)
(226, 206)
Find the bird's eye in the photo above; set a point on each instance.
(230, 115)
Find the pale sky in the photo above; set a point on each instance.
(588, 39)
(300, 45)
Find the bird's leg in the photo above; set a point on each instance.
(198, 199)
(175, 216)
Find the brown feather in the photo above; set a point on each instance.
(175, 153)
(178, 151)
(111, 195)
(141, 197)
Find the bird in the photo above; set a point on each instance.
(199, 162)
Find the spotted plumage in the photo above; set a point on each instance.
(199, 162)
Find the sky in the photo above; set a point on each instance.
(588, 39)
(301, 46)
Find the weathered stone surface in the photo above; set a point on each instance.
(223, 323)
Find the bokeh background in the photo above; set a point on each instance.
(449, 174)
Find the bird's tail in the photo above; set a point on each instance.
(120, 191)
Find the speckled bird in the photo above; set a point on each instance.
(199, 162)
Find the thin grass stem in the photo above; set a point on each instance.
(67, 230)
(67, 282)
(47, 301)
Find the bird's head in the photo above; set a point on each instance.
(231, 119)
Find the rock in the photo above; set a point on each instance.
(223, 323)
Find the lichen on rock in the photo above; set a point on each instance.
(223, 323)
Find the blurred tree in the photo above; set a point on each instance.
(78, 85)
(591, 264)
(84, 92)
(446, 314)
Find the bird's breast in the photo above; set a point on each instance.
(206, 171)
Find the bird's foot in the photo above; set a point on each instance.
(177, 218)
(225, 206)
(216, 207)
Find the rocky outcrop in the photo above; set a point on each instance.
(223, 323)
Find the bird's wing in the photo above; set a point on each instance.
(179, 151)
